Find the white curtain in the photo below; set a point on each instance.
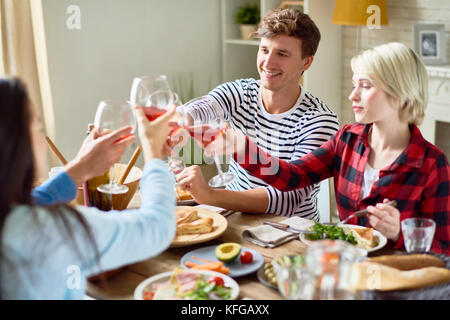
(23, 54)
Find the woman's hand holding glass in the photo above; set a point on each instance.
(153, 134)
(98, 153)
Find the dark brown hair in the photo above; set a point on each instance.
(293, 23)
(17, 169)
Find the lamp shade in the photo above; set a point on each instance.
(354, 12)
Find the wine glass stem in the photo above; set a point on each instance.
(112, 180)
(112, 184)
(219, 167)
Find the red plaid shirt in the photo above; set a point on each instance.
(419, 180)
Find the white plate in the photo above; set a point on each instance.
(163, 277)
(220, 226)
(381, 239)
(237, 268)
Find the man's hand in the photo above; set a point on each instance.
(99, 153)
(191, 179)
(385, 219)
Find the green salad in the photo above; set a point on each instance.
(331, 232)
(208, 291)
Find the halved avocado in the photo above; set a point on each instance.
(227, 252)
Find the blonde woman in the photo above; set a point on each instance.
(381, 157)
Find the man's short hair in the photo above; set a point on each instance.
(293, 23)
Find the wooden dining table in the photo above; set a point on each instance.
(123, 282)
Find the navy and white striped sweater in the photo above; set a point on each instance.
(289, 136)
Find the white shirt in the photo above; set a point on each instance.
(371, 175)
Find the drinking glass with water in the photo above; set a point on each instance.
(418, 234)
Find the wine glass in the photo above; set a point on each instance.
(176, 136)
(112, 115)
(205, 133)
(152, 93)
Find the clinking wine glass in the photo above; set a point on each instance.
(112, 115)
(152, 93)
(205, 133)
(156, 97)
(177, 135)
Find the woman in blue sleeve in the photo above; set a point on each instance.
(96, 155)
(48, 252)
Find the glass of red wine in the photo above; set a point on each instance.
(205, 132)
(152, 93)
(112, 115)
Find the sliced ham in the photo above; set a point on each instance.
(188, 286)
(186, 277)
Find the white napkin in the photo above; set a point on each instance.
(268, 236)
(213, 208)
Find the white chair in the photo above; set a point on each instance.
(324, 201)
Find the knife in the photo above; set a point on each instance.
(286, 227)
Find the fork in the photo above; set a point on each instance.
(228, 213)
(362, 213)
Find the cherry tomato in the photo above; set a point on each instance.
(217, 280)
(148, 295)
(246, 257)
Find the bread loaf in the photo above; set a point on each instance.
(368, 275)
(185, 215)
(199, 226)
(409, 261)
(182, 194)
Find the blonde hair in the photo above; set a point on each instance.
(398, 71)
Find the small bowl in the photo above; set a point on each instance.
(120, 201)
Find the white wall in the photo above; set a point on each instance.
(121, 39)
(402, 16)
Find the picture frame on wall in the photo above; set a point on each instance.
(430, 43)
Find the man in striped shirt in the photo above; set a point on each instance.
(276, 113)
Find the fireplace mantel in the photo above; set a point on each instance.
(439, 100)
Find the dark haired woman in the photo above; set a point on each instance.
(48, 252)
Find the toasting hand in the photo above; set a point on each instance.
(153, 134)
(228, 143)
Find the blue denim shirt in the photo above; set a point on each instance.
(42, 260)
(59, 189)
